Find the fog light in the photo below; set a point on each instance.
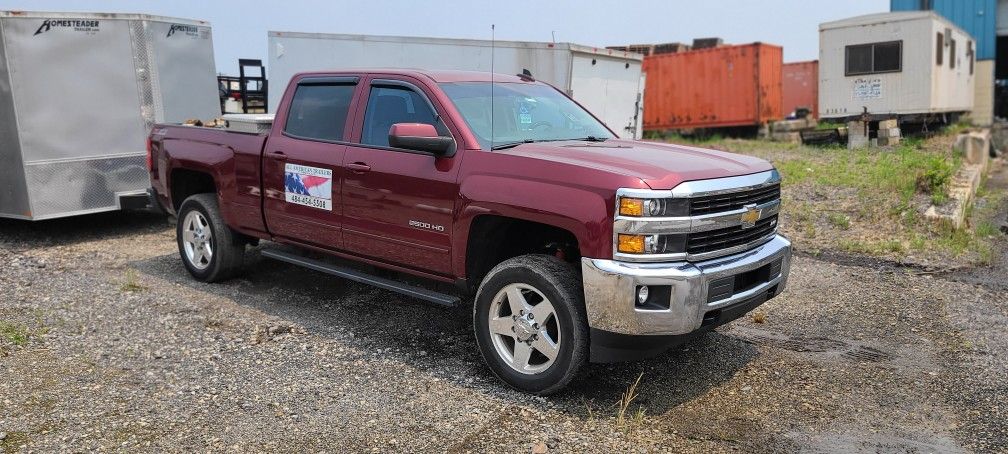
(642, 294)
(630, 244)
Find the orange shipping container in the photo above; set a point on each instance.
(709, 88)
(801, 86)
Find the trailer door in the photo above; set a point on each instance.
(608, 87)
(187, 76)
(75, 93)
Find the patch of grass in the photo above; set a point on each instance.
(960, 126)
(934, 178)
(14, 333)
(830, 125)
(759, 317)
(839, 220)
(872, 247)
(131, 284)
(624, 421)
(953, 240)
(13, 441)
(986, 228)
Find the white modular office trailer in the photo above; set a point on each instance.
(895, 64)
(607, 82)
(78, 95)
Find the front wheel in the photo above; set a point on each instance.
(530, 323)
(210, 251)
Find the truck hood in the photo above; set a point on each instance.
(659, 165)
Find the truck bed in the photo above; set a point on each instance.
(230, 158)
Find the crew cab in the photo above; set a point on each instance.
(494, 191)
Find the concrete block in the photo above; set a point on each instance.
(891, 132)
(974, 146)
(888, 141)
(961, 192)
(789, 125)
(857, 134)
(888, 124)
(789, 137)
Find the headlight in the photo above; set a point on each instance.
(656, 208)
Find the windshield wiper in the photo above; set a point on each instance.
(577, 139)
(515, 144)
(507, 145)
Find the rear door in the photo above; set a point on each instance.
(302, 162)
(398, 204)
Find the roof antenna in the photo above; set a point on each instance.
(493, 44)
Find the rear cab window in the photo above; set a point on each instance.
(318, 111)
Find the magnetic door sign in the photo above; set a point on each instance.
(867, 88)
(308, 186)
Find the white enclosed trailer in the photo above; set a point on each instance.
(78, 95)
(895, 64)
(607, 82)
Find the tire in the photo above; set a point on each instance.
(537, 279)
(226, 248)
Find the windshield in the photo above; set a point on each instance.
(522, 113)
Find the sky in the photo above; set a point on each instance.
(239, 28)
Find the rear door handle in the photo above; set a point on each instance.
(278, 155)
(359, 167)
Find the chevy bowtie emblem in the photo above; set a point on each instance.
(749, 218)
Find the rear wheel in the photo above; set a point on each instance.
(530, 323)
(210, 250)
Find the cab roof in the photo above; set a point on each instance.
(437, 76)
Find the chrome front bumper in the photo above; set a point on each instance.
(610, 289)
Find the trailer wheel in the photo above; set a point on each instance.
(530, 323)
(210, 250)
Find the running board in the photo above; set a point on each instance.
(431, 296)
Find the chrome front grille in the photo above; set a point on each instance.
(716, 240)
(733, 200)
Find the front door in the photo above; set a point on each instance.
(398, 204)
(302, 165)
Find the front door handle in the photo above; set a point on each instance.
(279, 155)
(359, 167)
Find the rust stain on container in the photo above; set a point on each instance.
(801, 86)
(724, 86)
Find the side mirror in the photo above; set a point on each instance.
(420, 137)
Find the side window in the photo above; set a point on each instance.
(970, 54)
(319, 111)
(876, 58)
(952, 53)
(390, 105)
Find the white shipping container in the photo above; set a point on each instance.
(898, 63)
(607, 82)
(79, 93)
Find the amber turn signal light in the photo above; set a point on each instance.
(631, 207)
(630, 244)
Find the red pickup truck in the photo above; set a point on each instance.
(571, 244)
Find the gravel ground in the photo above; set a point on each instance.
(106, 344)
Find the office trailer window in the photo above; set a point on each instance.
(874, 58)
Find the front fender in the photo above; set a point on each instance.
(585, 212)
